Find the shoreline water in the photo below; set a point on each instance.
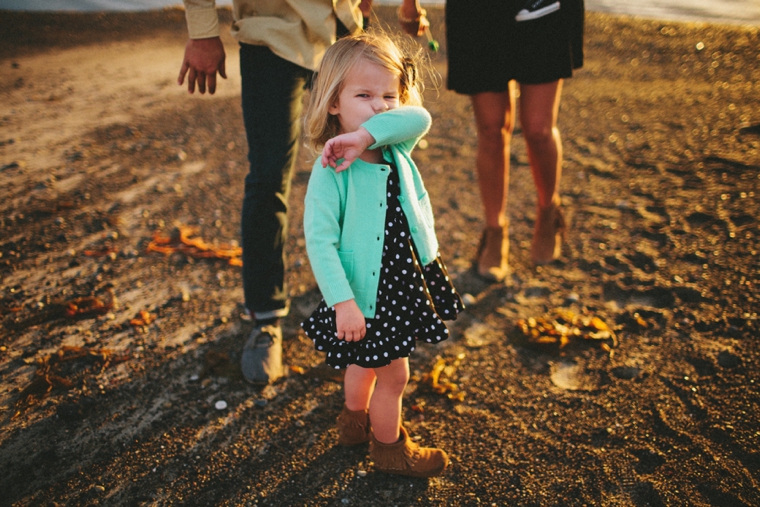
(742, 12)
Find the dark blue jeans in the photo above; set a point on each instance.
(272, 91)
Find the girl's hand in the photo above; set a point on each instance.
(350, 321)
(347, 147)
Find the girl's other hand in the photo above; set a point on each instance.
(350, 321)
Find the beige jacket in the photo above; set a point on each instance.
(297, 30)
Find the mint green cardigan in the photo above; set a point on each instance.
(344, 215)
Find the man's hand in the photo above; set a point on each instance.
(349, 321)
(203, 59)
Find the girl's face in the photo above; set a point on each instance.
(367, 90)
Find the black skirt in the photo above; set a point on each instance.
(487, 47)
(412, 302)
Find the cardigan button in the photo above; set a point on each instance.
(414, 228)
(401, 198)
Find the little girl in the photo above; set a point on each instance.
(371, 243)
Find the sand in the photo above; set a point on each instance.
(137, 399)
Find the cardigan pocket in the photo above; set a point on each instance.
(347, 261)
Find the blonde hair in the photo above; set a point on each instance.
(374, 46)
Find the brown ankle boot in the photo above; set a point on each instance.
(548, 234)
(407, 458)
(493, 252)
(353, 427)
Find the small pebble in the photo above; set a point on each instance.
(361, 473)
(220, 405)
(468, 299)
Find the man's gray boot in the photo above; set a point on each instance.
(262, 355)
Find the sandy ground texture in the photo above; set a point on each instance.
(636, 383)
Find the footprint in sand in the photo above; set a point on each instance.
(572, 376)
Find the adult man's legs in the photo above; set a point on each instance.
(272, 91)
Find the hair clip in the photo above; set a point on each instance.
(410, 69)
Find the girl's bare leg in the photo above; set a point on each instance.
(358, 384)
(385, 404)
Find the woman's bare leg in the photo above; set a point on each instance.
(539, 108)
(494, 119)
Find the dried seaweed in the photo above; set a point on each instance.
(50, 372)
(77, 308)
(109, 251)
(143, 318)
(441, 377)
(88, 306)
(183, 240)
(564, 326)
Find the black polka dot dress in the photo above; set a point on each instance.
(412, 302)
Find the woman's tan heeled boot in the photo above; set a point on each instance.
(407, 458)
(493, 253)
(548, 233)
(353, 427)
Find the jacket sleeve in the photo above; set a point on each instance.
(322, 229)
(202, 19)
(403, 126)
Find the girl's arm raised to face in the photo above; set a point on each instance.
(347, 147)
(404, 126)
